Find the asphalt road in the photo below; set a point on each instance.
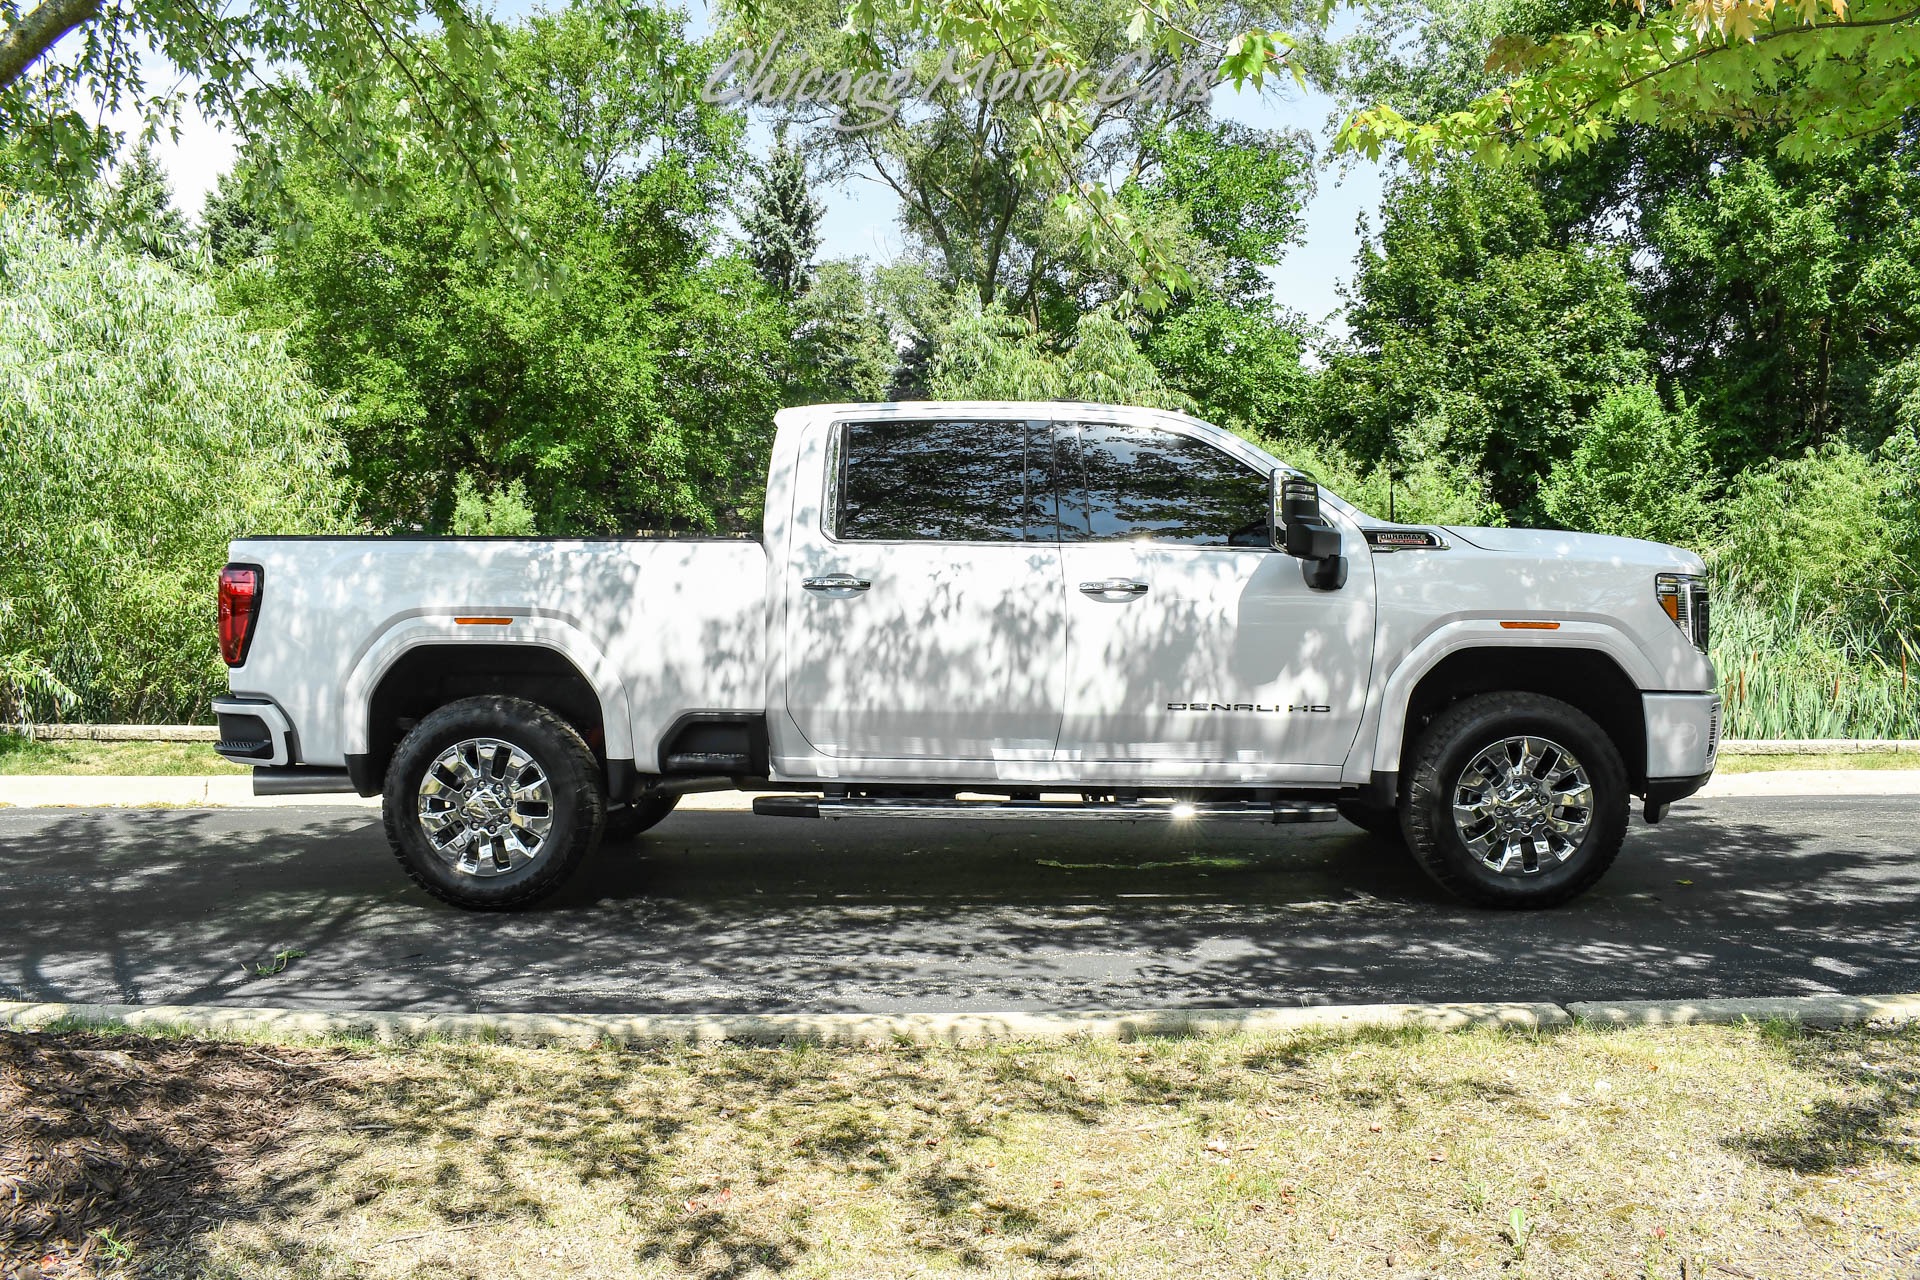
(716, 912)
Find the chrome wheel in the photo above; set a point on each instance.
(1523, 805)
(486, 807)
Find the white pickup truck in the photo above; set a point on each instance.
(992, 610)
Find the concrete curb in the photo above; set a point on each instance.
(945, 1028)
(118, 732)
(1816, 746)
(811, 1028)
(1813, 1011)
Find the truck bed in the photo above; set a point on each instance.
(667, 624)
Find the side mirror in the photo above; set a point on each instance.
(1303, 533)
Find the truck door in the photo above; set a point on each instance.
(925, 610)
(1188, 637)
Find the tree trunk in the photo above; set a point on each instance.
(23, 43)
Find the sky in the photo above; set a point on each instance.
(862, 214)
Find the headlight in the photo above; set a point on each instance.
(1683, 598)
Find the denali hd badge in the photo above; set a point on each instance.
(1244, 706)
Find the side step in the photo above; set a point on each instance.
(1269, 811)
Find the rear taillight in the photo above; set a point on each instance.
(239, 606)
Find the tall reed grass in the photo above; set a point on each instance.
(1788, 670)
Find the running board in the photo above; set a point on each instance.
(1272, 811)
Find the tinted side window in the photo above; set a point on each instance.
(945, 481)
(1142, 482)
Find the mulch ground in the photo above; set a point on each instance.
(110, 1146)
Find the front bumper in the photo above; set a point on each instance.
(1683, 742)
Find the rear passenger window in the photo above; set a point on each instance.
(945, 481)
(1144, 482)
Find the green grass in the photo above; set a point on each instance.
(1587, 1152)
(20, 755)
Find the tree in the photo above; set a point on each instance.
(985, 354)
(140, 430)
(234, 228)
(1821, 75)
(782, 219)
(138, 211)
(1472, 329)
(1241, 365)
(1638, 472)
(303, 75)
(1777, 293)
(841, 349)
(1020, 195)
(637, 392)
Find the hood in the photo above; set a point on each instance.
(1590, 548)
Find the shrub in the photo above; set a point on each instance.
(498, 513)
(1637, 471)
(140, 430)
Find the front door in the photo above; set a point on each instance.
(925, 615)
(1188, 637)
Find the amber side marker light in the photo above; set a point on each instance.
(1531, 626)
(483, 622)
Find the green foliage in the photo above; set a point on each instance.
(988, 355)
(137, 211)
(1427, 486)
(1832, 529)
(841, 349)
(1240, 193)
(1638, 472)
(636, 392)
(782, 219)
(1054, 203)
(1783, 291)
(241, 65)
(1472, 326)
(1823, 74)
(140, 431)
(500, 512)
(1242, 366)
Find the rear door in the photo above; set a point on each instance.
(1188, 638)
(926, 612)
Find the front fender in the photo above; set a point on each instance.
(1486, 633)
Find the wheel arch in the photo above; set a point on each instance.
(428, 662)
(1594, 670)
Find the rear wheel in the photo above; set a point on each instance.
(1516, 800)
(492, 802)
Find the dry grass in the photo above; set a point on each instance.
(1751, 1151)
(19, 755)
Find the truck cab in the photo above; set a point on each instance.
(1025, 611)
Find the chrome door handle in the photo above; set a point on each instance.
(1114, 587)
(836, 584)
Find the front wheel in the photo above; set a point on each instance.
(492, 802)
(1516, 800)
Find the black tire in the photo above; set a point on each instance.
(1443, 754)
(1382, 824)
(576, 804)
(627, 821)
